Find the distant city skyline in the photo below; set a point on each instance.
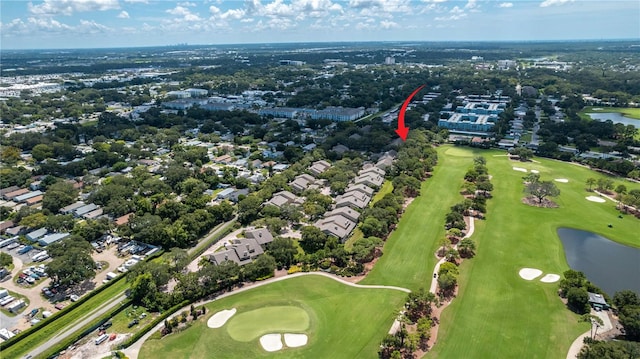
(48, 24)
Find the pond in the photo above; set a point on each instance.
(616, 117)
(607, 264)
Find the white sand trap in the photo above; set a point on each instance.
(550, 278)
(520, 169)
(530, 273)
(295, 340)
(595, 199)
(535, 171)
(563, 180)
(219, 319)
(271, 342)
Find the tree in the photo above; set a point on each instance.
(372, 227)
(364, 248)
(624, 298)
(10, 155)
(262, 267)
(542, 190)
(605, 184)
(531, 177)
(283, 251)
(419, 304)
(35, 220)
(467, 248)
(630, 320)
(578, 300)
(621, 190)
(591, 182)
(58, 195)
(5, 259)
(615, 349)
(249, 209)
(41, 151)
(143, 290)
(447, 283)
(524, 153)
(313, 239)
(448, 267)
(72, 267)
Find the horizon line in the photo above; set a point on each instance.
(329, 42)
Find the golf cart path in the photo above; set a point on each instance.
(436, 269)
(133, 350)
(577, 344)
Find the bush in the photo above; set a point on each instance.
(294, 269)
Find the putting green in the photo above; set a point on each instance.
(459, 152)
(245, 327)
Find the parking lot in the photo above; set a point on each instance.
(40, 294)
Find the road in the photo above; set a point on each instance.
(93, 315)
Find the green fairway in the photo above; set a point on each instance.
(344, 322)
(247, 326)
(496, 313)
(408, 255)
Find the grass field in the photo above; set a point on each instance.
(499, 315)
(247, 326)
(336, 313)
(32, 341)
(408, 255)
(121, 320)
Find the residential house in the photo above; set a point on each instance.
(284, 197)
(10, 196)
(123, 219)
(34, 200)
(242, 251)
(34, 235)
(361, 188)
(8, 190)
(4, 225)
(597, 301)
(318, 167)
(72, 207)
(261, 235)
(14, 231)
(346, 212)
(373, 169)
(355, 200)
(337, 226)
(51, 238)
(370, 179)
(225, 159)
(302, 182)
(79, 212)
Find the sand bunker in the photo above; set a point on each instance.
(519, 169)
(530, 273)
(295, 340)
(550, 278)
(563, 180)
(219, 319)
(595, 199)
(535, 171)
(271, 342)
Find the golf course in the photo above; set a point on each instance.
(496, 314)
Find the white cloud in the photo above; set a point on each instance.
(385, 24)
(547, 3)
(456, 10)
(372, 7)
(137, 1)
(506, 4)
(48, 26)
(434, 1)
(453, 17)
(123, 15)
(68, 7)
(186, 4)
(184, 14)
(471, 4)
(91, 27)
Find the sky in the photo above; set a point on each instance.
(47, 24)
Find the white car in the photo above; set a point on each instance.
(74, 297)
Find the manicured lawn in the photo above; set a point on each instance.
(341, 325)
(121, 320)
(409, 253)
(387, 187)
(250, 325)
(499, 315)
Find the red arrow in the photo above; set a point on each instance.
(403, 131)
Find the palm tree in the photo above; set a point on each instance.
(595, 322)
(590, 182)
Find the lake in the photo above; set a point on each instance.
(607, 264)
(616, 117)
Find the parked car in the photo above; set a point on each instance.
(132, 323)
(105, 326)
(73, 297)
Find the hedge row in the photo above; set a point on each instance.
(227, 230)
(134, 338)
(60, 346)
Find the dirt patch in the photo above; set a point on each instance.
(546, 203)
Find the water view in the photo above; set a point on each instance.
(616, 117)
(609, 265)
